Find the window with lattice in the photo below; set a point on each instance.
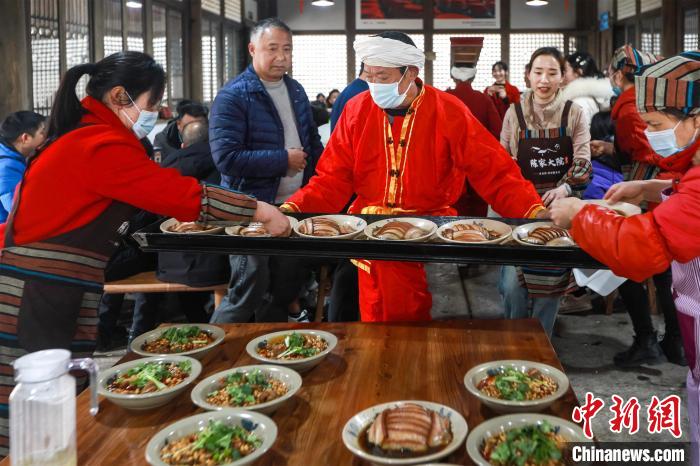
(210, 59)
(418, 39)
(521, 48)
(649, 5)
(233, 10)
(690, 29)
(320, 62)
(626, 9)
(45, 52)
(113, 40)
(573, 43)
(134, 37)
(176, 61)
(490, 54)
(231, 54)
(651, 35)
(212, 6)
(160, 41)
(78, 38)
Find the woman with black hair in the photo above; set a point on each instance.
(21, 133)
(74, 199)
(501, 92)
(585, 85)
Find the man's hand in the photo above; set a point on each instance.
(599, 148)
(632, 192)
(272, 219)
(296, 160)
(552, 195)
(563, 211)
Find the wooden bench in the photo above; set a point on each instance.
(146, 282)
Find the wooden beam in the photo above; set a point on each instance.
(97, 29)
(194, 40)
(671, 29)
(428, 40)
(147, 18)
(353, 68)
(505, 27)
(15, 58)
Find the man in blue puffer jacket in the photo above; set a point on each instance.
(20, 135)
(265, 143)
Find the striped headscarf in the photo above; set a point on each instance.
(673, 83)
(630, 60)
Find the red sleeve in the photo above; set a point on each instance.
(495, 121)
(630, 138)
(632, 247)
(331, 188)
(491, 171)
(123, 173)
(513, 94)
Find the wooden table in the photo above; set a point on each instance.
(373, 363)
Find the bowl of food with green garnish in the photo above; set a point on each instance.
(261, 388)
(515, 386)
(524, 439)
(215, 438)
(299, 349)
(195, 340)
(149, 382)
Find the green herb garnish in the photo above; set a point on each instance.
(512, 384)
(529, 444)
(155, 372)
(217, 438)
(181, 335)
(295, 345)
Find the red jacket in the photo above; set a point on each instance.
(629, 130)
(81, 173)
(480, 105)
(512, 97)
(644, 245)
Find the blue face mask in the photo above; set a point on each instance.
(145, 123)
(387, 95)
(664, 142)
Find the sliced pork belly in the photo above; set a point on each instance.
(409, 427)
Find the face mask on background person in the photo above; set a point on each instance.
(145, 123)
(387, 95)
(664, 142)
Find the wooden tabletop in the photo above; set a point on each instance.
(372, 364)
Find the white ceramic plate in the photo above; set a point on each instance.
(164, 227)
(358, 423)
(355, 223)
(623, 208)
(290, 377)
(299, 365)
(236, 230)
(495, 426)
(504, 231)
(477, 373)
(259, 424)
(523, 231)
(217, 332)
(146, 400)
(429, 227)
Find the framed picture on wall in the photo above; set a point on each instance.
(389, 14)
(467, 14)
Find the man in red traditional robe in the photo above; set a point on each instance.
(405, 148)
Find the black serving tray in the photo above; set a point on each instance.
(152, 239)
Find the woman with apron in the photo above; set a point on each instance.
(76, 195)
(668, 99)
(549, 138)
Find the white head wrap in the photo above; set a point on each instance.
(463, 74)
(380, 51)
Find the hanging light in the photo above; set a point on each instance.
(323, 3)
(133, 4)
(537, 2)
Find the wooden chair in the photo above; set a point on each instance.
(146, 282)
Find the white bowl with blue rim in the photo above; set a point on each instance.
(362, 420)
(299, 365)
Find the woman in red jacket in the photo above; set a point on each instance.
(501, 92)
(668, 98)
(76, 195)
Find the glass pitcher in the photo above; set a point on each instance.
(42, 408)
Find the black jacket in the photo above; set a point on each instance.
(193, 269)
(168, 140)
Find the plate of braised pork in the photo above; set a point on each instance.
(543, 234)
(405, 432)
(401, 229)
(330, 227)
(481, 231)
(191, 228)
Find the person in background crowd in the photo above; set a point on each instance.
(501, 92)
(668, 98)
(357, 86)
(585, 85)
(482, 107)
(607, 169)
(21, 133)
(64, 224)
(549, 138)
(434, 143)
(332, 95)
(196, 270)
(320, 98)
(264, 143)
(170, 139)
(632, 147)
(320, 111)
